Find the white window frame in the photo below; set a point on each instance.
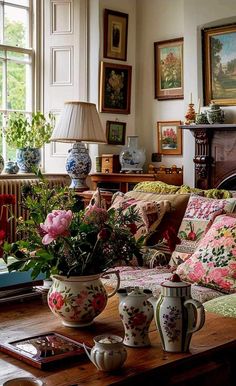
(33, 97)
(31, 62)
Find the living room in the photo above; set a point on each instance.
(71, 47)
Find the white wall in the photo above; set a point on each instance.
(157, 20)
(128, 7)
(162, 20)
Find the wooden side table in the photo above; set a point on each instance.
(126, 181)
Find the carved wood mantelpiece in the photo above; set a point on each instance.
(213, 162)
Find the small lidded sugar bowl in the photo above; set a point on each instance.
(108, 353)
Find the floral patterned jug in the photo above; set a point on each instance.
(177, 316)
(136, 314)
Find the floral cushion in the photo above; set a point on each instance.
(198, 217)
(150, 212)
(213, 264)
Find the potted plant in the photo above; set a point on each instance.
(28, 135)
(75, 247)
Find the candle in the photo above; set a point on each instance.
(198, 106)
(191, 98)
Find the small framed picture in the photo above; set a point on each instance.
(169, 136)
(168, 69)
(115, 132)
(219, 58)
(115, 88)
(115, 34)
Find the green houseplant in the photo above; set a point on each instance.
(28, 135)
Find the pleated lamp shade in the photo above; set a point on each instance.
(79, 122)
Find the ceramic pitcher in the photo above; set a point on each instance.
(136, 314)
(177, 315)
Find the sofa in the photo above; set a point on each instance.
(188, 231)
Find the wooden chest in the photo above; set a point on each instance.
(110, 163)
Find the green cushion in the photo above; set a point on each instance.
(223, 305)
(162, 187)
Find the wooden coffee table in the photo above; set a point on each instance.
(210, 361)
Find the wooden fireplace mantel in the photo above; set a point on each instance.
(213, 162)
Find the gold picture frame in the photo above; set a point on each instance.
(169, 136)
(115, 132)
(219, 57)
(115, 35)
(115, 88)
(168, 69)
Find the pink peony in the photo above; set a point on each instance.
(56, 224)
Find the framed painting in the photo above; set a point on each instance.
(169, 136)
(168, 69)
(115, 88)
(219, 65)
(115, 132)
(115, 34)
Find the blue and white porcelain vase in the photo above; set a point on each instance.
(11, 167)
(1, 164)
(131, 157)
(28, 159)
(78, 166)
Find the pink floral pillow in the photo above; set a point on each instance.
(199, 215)
(213, 264)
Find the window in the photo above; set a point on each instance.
(16, 62)
(16, 80)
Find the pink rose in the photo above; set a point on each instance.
(55, 225)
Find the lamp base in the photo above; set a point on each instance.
(78, 166)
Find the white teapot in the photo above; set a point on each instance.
(108, 353)
(177, 315)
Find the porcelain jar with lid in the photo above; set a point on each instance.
(136, 314)
(215, 114)
(177, 315)
(11, 167)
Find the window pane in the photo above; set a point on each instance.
(18, 56)
(1, 152)
(16, 32)
(20, 2)
(16, 87)
(11, 154)
(1, 88)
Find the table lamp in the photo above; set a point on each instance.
(79, 122)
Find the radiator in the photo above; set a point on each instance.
(13, 186)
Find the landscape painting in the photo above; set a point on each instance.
(220, 65)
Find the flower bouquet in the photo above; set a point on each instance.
(75, 247)
(59, 238)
